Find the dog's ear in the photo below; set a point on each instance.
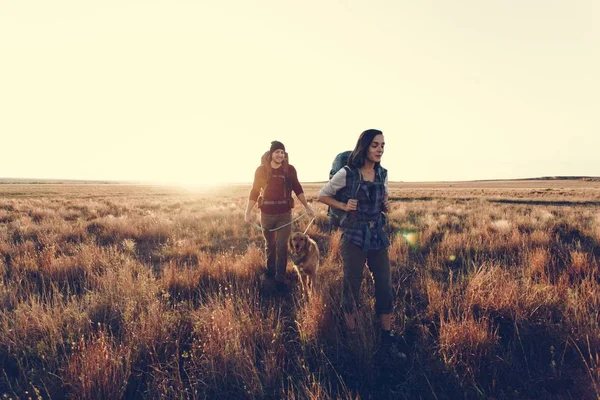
(290, 241)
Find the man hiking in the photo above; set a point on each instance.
(274, 181)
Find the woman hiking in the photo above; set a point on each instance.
(364, 199)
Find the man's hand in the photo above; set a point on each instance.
(248, 217)
(309, 211)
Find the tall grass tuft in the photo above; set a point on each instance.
(97, 368)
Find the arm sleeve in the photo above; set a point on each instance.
(296, 186)
(337, 182)
(386, 186)
(259, 178)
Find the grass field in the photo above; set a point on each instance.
(112, 291)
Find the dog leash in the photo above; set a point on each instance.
(309, 224)
(279, 227)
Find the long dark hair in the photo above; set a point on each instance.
(359, 155)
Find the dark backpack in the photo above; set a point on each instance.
(340, 161)
(264, 160)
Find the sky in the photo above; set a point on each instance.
(193, 92)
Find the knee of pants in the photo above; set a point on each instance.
(384, 301)
(270, 250)
(270, 242)
(351, 292)
(282, 247)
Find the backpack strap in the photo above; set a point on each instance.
(349, 191)
(287, 181)
(382, 174)
(267, 180)
(354, 177)
(286, 186)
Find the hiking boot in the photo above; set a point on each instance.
(350, 335)
(281, 286)
(269, 275)
(390, 347)
(267, 282)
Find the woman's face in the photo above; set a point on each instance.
(376, 149)
(278, 156)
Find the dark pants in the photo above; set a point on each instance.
(378, 262)
(276, 242)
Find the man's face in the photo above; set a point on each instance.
(278, 156)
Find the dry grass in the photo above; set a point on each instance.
(110, 291)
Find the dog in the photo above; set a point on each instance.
(304, 253)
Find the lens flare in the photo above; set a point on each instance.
(411, 238)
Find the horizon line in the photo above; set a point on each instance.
(42, 181)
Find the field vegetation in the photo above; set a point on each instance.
(140, 292)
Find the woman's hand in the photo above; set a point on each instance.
(351, 205)
(386, 206)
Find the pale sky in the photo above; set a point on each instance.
(193, 92)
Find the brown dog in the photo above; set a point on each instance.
(304, 253)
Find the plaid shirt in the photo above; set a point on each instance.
(364, 227)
